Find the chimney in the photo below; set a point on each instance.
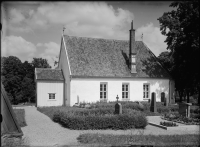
(132, 50)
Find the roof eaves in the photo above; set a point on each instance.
(67, 55)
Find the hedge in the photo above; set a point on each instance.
(77, 121)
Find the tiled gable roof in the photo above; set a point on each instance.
(48, 74)
(109, 58)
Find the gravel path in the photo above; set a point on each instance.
(42, 131)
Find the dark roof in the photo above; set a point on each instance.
(109, 58)
(48, 74)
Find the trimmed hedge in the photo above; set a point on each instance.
(133, 119)
(125, 105)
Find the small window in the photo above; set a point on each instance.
(51, 96)
(125, 91)
(103, 90)
(133, 58)
(146, 91)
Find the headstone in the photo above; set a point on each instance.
(162, 97)
(184, 109)
(118, 108)
(166, 102)
(153, 102)
(173, 98)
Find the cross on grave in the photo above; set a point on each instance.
(117, 98)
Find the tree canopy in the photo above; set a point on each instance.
(181, 26)
(18, 78)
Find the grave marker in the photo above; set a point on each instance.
(118, 107)
(153, 102)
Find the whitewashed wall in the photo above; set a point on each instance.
(63, 64)
(46, 87)
(88, 90)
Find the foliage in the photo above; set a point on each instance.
(181, 26)
(141, 140)
(84, 119)
(20, 116)
(40, 63)
(18, 78)
(13, 75)
(164, 59)
(168, 124)
(176, 117)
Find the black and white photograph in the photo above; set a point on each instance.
(100, 74)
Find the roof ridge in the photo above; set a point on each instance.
(48, 68)
(98, 38)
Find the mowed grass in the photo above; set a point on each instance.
(150, 140)
(20, 116)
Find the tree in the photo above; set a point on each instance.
(40, 63)
(165, 59)
(13, 74)
(18, 77)
(181, 26)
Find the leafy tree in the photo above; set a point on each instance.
(18, 77)
(166, 60)
(181, 26)
(12, 73)
(40, 63)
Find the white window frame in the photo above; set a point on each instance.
(125, 91)
(146, 91)
(52, 96)
(133, 58)
(103, 91)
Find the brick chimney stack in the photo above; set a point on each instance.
(132, 50)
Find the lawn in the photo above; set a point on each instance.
(20, 116)
(150, 140)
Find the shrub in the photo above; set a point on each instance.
(85, 121)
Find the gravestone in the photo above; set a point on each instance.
(118, 107)
(166, 102)
(153, 102)
(162, 97)
(184, 109)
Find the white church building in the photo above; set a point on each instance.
(96, 69)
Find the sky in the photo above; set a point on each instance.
(34, 29)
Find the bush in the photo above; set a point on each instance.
(89, 119)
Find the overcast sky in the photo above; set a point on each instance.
(33, 29)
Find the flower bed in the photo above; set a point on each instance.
(168, 124)
(180, 119)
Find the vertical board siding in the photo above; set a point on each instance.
(46, 87)
(88, 90)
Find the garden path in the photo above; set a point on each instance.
(42, 131)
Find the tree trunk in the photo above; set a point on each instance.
(199, 95)
(188, 96)
(180, 95)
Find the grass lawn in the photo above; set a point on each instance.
(20, 116)
(150, 140)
